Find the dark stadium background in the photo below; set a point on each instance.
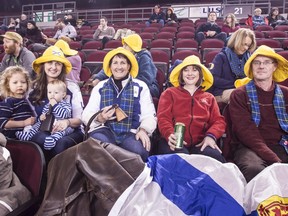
(16, 5)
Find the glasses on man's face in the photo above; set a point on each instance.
(265, 63)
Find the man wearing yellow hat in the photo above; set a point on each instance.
(16, 54)
(147, 69)
(259, 113)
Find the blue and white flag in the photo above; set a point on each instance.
(179, 184)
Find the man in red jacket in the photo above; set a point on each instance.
(259, 113)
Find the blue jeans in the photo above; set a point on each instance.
(161, 21)
(163, 148)
(61, 145)
(129, 142)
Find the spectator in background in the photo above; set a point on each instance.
(188, 103)
(22, 25)
(171, 17)
(230, 24)
(73, 58)
(228, 65)
(33, 34)
(257, 19)
(70, 19)
(16, 54)
(104, 32)
(65, 32)
(12, 25)
(121, 33)
(258, 113)
(147, 69)
(157, 17)
(275, 18)
(210, 29)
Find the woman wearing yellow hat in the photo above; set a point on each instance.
(53, 65)
(147, 69)
(189, 104)
(73, 57)
(131, 95)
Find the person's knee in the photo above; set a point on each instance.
(250, 170)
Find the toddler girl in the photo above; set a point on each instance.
(16, 112)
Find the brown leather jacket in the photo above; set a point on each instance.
(88, 178)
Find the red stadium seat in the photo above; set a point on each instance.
(162, 44)
(112, 44)
(85, 74)
(285, 44)
(150, 29)
(95, 61)
(208, 45)
(186, 44)
(185, 35)
(281, 28)
(276, 34)
(160, 59)
(275, 44)
(186, 28)
(148, 37)
(264, 28)
(91, 46)
(259, 34)
(165, 35)
(209, 57)
(29, 165)
(181, 55)
(284, 53)
(168, 29)
(76, 45)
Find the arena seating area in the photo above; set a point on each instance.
(167, 44)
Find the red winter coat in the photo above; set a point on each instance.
(200, 114)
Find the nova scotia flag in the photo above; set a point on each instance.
(178, 184)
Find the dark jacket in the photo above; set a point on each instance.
(88, 178)
(278, 20)
(33, 36)
(224, 78)
(157, 17)
(171, 17)
(208, 26)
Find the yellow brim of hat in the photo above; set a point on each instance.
(64, 46)
(134, 64)
(280, 74)
(240, 82)
(192, 60)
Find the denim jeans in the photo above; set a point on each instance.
(129, 143)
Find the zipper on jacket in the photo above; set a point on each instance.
(191, 120)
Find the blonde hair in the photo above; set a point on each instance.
(237, 38)
(58, 83)
(258, 9)
(6, 76)
(233, 22)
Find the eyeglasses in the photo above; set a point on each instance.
(265, 63)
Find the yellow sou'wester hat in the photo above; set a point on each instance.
(192, 60)
(52, 53)
(134, 64)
